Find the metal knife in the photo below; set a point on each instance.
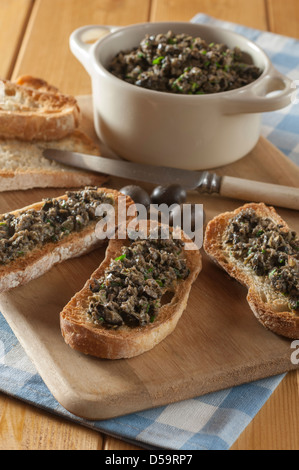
(203, 181)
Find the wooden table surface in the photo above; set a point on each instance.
(34, 40)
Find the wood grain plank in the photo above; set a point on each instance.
(250, 13)
(45, 50)
(284, 17)
(23, 427)
(13, 19)
(111, 443)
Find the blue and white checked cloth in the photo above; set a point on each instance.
(210, 422)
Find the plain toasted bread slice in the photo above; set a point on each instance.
(30, 109)
(269, 306)
(83, 335)
(23, 166)
(38, 261)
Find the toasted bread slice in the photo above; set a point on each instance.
(30, 109)
(23, 166)
(269, 306)
(39, 260)
(81, 333)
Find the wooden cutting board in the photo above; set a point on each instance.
(218, 343)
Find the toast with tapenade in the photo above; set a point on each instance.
(124, 309)
(31, 109)
(255, 246)
(23, 166)
(37, 237)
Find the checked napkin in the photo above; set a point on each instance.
(210, 422)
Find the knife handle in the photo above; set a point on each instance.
(273, 194)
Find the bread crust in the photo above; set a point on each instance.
(36, 84)
(81, 334)
(39, 261)
(57, 177)
(269, 308)
(53, 115)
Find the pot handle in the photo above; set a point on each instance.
(259, 98)
(83, 39)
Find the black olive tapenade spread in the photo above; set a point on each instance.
(131, 289)
(269, 250)
(182, 64)
(56, 219)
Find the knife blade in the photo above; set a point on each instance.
(202, 181)
(123, 169)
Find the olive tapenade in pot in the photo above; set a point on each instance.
(269, 250)
(131, 290)
(182, 64)
(55, 220)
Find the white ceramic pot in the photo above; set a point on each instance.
(183, 131)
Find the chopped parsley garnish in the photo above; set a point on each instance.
(120, 258)
(158, 60)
